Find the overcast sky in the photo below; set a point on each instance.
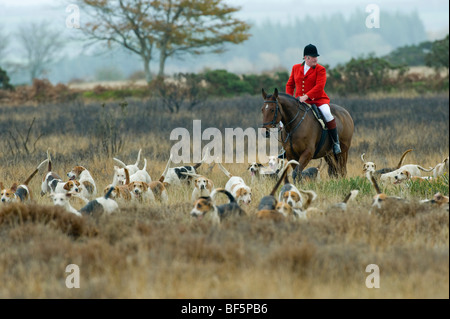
(434, 13)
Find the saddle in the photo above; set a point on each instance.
(318, 115)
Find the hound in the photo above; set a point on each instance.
(441, 168)
(62, 199)
(276, 164)
(297, 198)
(72, 186)
(100, 205)
(205, 207)
(381, 200)
(203, 187)
(50, 179)
(237, 187)
(413, 169)
(177, 175)
(121, 176)
(87, 183)
(267, 208)
(97, 206)
(19, 193)
(141, 192)
(159, 191)
(342, 206)
(141, 175)
(438, 200)
(404, 176)
(370, 166)
(312, 173)
(121, 179)
(258, 171)
(132, 168)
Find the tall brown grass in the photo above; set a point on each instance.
(158, 251)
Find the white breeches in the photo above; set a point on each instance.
(325, 109)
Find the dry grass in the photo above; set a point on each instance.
(159, 252)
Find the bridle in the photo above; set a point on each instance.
(273, 122)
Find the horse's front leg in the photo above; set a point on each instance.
(304, 159)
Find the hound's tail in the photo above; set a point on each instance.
(224, 170)
(424, 169)
(163, 175)
(351, 196)
(402, 158)
(203, 159)
(374, 183)
(49, 169)
(35, 171)
(224, 191)
(320, 165)
(138, 157)
(283, 176)
(145, 164)
(114, 184)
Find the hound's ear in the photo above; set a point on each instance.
(1, 186)
(264, 94)
(275, 94)
(14, 187)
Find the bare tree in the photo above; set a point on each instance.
(42, 46)
(113, 22)
(170, 26)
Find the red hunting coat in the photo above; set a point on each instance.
(312, 84)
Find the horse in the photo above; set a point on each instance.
(301, 135)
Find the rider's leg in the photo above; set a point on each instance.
(331, 125)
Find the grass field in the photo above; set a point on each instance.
(160, 252)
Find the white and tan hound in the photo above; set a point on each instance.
(87, 183)
(19, 192)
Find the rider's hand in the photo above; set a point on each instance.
(303, 98)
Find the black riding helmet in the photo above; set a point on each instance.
(310, 50)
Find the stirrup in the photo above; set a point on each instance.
(282, 155)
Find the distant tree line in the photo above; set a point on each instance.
(187, 90)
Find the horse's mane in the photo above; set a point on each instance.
(285, 95)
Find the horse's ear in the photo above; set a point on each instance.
(264, 94)
(275, 94)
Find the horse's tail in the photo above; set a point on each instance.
(283, 176)
(402, 158)
(224, 170)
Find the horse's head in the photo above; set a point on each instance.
(270, 111)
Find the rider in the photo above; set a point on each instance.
(308, 78)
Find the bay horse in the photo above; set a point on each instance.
(302, 132)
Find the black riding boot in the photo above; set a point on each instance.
(335, 139)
